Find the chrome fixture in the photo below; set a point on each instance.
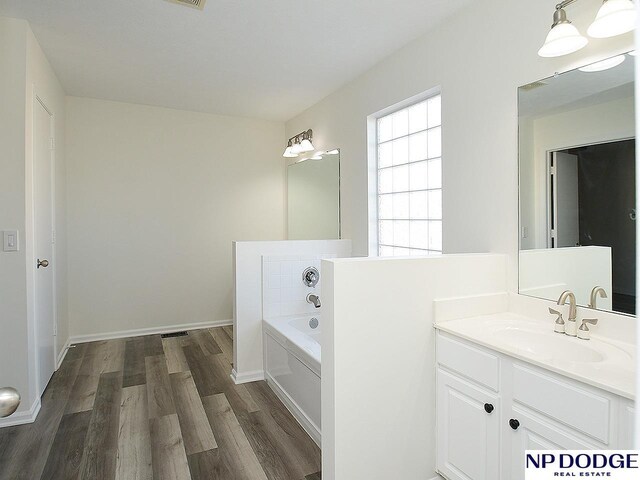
(584, 332)
(313, 323)
(310, 276)
(300, 143)
(43, 263)
(559, 325)
(9, 401)
(614, 17)
(597, 291)
(314, 299)
(570, 326)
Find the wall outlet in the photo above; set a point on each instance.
(10, 242)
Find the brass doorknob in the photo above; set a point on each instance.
(43, 263)
(9, 401)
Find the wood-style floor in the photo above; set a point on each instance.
(152, 408)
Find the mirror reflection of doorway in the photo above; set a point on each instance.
(592, 202)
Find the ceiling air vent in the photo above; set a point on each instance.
(533, 86)
(199, 4)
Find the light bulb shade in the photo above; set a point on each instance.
(306, 146)
(296, 148)
(288, 153)
(563, 39)
(615, 17)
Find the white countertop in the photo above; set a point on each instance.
(601, 362)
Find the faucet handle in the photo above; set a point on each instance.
(559, 327)
(583, 331)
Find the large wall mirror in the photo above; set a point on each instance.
(313, 197)
(577, 185)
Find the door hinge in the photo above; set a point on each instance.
(52, 143)
(552, 170)
(55, 329)
(553, 234)
(53, 237)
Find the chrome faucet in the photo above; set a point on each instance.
(314, 299)
(597, 291)
(570, 327)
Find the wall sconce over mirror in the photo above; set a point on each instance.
(300, 143)
(614, 17)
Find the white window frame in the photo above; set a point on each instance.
(372, 152)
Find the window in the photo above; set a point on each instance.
(410, 180)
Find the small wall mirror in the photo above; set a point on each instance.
(313, 197)
(577, 185)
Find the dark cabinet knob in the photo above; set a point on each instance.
(488, 407)
(513, 423)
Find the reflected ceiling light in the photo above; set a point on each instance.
(603, 65)
(564, 38)
(300, 143)
(333, 152)
(615, 17)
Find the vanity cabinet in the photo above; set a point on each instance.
(492, 407)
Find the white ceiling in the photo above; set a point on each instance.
(576, 89)
(258, 58)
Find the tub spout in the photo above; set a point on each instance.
(314, 299)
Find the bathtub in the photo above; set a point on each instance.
(292, 366)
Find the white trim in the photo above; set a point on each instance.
(304, 421)
(63, 353)
(147, 331)
(239, 378)
(21, 418)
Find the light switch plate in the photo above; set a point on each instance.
(10, 240)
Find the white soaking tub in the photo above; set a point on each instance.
(292, 366)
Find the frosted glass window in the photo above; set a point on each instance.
(409, 157)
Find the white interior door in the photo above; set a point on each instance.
(43, 247)
(565, 199)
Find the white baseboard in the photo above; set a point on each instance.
(246, 377)
(296, 411)
(63, 353)
(20, 418)
(94, 337)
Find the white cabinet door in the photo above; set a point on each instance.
(468, 430)
(524, 431)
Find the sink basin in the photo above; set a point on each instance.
(550, 346)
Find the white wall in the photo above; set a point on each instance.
(599, 123)
(155, 198)
(478, 57)
(14, 365)
(547, 272)
(248, 362)
(378, 359)
(25, 70)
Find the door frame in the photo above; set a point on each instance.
(549, 180)
(31, 254)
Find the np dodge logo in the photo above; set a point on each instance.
(610, 464)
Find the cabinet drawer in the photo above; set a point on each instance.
(469, 361)
(583, 410)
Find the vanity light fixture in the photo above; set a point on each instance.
(300, 143)
(603, 64)
(288, 152)
(615, 17)
(564, 38)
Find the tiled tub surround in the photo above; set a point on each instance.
(283, 292)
